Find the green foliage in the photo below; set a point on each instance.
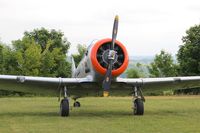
(189, 91)
(32, 60)
(132, 73)
(39, 53)
(1, 58)
(81, 50)
(163, 66)
(189, 53)
(168, 93)
(136, 72)
(43, 36)
(8, 62)
(7, 93)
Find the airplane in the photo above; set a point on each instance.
(97, 75)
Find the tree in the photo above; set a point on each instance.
(136, 71)
(81, 50)
(188, 54)
(8, 63)
(42, 36)
(39, 53)
(1, 58)
(31, 60)
(163, 65)
(133, 73)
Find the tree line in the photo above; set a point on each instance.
(40, 52)
(187, 62)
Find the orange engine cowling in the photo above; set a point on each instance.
(99, 54)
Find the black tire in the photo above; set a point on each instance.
(138, 107)
(77, 104)
(64, 107)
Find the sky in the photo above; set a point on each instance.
(145, 26)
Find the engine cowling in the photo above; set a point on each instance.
(99, 57)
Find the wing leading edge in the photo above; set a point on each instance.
(86, 86)
(43, 85)
(156, 84)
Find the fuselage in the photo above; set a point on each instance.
(95, 62)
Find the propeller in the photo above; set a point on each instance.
(111, 57)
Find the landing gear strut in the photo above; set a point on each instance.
(138, 101)
(64, 104)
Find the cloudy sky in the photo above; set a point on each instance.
(145, 27)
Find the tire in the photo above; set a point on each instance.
(138, 107)
(77, 104)
(64, 107)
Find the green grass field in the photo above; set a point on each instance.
(101, 115)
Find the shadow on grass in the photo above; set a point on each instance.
(22, 114)
(172, 112)
(103, 114)
(100, 113)
(78, 112)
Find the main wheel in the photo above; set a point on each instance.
(138, 107)
(64, 107)
(77, 104)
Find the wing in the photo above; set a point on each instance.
(87, 87)
(44, 85)
(161, 84)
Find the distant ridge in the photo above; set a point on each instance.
(141, 59)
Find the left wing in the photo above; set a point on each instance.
(42, 85)
(160, 84)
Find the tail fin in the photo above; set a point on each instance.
(73, 69)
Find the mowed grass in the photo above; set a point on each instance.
(100, 115)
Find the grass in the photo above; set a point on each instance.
(101, 115)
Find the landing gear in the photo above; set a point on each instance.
(64, 105)
(138, 101)
(138, 107)
(77, 104)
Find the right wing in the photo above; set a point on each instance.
(161, 84)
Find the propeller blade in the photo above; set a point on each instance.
(111, 57)
(107, 80)
(115, 30)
